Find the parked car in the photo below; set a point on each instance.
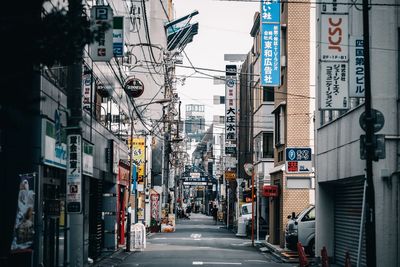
(301, 228)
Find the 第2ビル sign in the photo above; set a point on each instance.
(298, 160)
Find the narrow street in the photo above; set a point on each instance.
(199, 241)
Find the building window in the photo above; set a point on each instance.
(268, 94)
(267, 145)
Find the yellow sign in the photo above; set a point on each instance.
(138, 146)
(230, 175)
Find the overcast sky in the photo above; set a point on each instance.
(224, 28)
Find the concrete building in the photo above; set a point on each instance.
(340, 171)
(195, 121)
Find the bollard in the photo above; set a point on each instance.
(324, 257)
(347, 262)
(302, 256)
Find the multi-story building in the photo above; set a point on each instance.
(293, 112)
(80, 219)
(195, 121)
(340, 165)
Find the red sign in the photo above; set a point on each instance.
(292, 166)
(270, 191)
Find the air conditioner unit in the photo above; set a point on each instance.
(283, 61)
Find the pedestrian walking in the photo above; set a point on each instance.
(215, 213)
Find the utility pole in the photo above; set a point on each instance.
(369, 132)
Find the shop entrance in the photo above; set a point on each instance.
(54, 223)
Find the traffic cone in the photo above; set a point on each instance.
(302, 256)
(347, 262)
(324, 257)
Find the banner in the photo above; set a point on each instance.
(138, 146)
(24, 228)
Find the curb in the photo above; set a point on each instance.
(112, 260)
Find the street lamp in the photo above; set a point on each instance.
(128, 232)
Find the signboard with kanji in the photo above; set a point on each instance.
(298, 160)
(74, 173)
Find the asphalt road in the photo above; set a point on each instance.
(199, 242)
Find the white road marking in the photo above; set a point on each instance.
(257, 261)
(215, 263)
(195, 236)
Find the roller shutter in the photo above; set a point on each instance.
(348, 206)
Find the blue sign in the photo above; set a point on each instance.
(270, 55)
(134, 179)
(270, 11)
(298, 154)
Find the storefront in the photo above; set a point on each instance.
(122, 199)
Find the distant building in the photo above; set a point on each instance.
(195, 121)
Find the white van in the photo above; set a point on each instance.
(301, 228)
(244, 218)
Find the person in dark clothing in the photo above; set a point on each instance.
(215, 213)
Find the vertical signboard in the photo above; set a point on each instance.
(86, 88)
(356, 62)
(334, 86)
(138, 146)
(270, 47)
(230, 103)
(334, 37)
(118, 37)
(87, 159)
(334, 59)
(230, 115)
(270, 43)
(74, 173)
(102, 48)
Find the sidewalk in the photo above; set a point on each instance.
(286, 255)
(114, 258)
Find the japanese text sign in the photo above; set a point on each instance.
(357, 71)
(298, 160)
(138, 146)
(334, 86)
(270, 57)
(270, 11)
(74, 174)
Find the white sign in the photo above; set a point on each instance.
(335, 6)
(54, 153)
(102, 49)
(357, 70)
(195, 174)
(74, 174)
(230, 162)
(86, 88)
(334, 86)
(87, 159)
(230, 103)
(334, 37)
